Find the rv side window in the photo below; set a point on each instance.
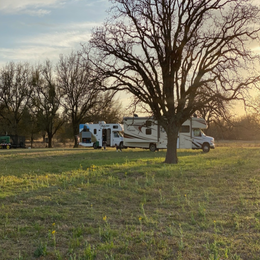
(185, 129)
(148, 131)
(95, 131)
(148, 123)
(115, 126)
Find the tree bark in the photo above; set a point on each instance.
(76, 145)
(32, 139)
(75, 126)
(49, 140)
(171, 154)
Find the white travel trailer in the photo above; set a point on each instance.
(144, 132)
(94, 135)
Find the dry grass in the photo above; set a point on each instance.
(237, 143)
(94, 204)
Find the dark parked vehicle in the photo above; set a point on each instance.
(12, 141)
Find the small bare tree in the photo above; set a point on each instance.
(108, 109)
(79, 92)
(216, 111)
(177, 56)
(15, 94)
(46, 101)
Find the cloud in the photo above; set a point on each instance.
(62, 36)
(39, 12)
(28, 53)
(16, 6)
(95, 2)
(46, 38)
(32, 54)
(59, 39)
(37, 48)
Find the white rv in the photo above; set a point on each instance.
(94, 135)
(144, 132)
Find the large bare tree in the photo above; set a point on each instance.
(177, 56)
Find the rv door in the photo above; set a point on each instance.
(108, 137)
(184, 137)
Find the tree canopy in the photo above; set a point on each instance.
(177, 56)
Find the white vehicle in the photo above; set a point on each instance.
(96, 135)
(144, 132)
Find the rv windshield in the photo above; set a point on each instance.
(117, 134)
(202, 133)
(198, 132)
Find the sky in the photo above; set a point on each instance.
(36, 30)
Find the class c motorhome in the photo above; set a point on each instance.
(145, 132)
(94, 135)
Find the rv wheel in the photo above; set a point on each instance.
(95, 146)
(152, 147)
(205, 147)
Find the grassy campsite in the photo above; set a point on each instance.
(94, 204)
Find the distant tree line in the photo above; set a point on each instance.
(43, 101)
(49, 100)
(246, 127)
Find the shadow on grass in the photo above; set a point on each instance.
(42, 161)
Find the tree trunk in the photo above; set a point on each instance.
(43, 138)
(32, 141)
(75, 132)
(171, 154)
(76, 144)
(49, 140)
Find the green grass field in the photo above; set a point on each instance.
(93, 204)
